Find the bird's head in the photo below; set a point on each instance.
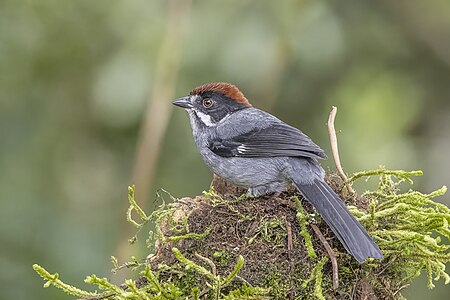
(212, 102)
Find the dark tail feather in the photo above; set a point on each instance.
(348, 230)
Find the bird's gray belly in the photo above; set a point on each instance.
(248, 172)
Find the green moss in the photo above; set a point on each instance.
(190, 235)
(272, 231)
(223, 257)
(203, 243)
(278, 285)
(408, 227)
(303, 220)
(317, 277)
(217, 200)
(53, 280)
(214, 281)
(248, 293)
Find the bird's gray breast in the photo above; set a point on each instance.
(244, 171)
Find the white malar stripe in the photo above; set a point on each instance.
(206, 119)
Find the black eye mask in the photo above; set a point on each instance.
(222, 105)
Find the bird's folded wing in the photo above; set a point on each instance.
(275, 140)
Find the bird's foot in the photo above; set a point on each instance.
(259, 190)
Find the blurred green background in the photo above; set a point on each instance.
(80, 79)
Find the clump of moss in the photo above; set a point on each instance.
(222, 257)
(223, 245)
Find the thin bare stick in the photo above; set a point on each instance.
(334, 147)
(290, 244)
(208, 261)
(331, 254)
(386, 266)
(400, 288)
(290, 247)
(244, 281)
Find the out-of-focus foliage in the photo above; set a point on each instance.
(75, 77)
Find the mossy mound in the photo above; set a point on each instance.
(257, 229)
(223, 245)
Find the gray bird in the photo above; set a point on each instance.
(254, 149)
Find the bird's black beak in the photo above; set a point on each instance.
(184, 102)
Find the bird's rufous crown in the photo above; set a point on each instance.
(225, 89)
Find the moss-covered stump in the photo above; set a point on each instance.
(224, 245)
(284, 256)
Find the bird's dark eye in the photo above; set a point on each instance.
(207, 103)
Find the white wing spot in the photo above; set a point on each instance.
(241, 149)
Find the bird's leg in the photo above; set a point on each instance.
(264, 189)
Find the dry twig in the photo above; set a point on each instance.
(208, 261)
(331, 254)
(334, 147)
(290, 244)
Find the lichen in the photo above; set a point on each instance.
(224, 245)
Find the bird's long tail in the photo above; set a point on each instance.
(333, 211)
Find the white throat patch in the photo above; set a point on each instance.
(206, 119)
